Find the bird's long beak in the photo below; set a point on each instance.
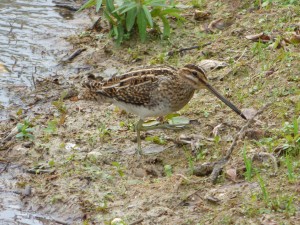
(223, 99)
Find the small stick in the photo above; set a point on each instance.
(241, 133)
(171, 53)
(72, 56)
(66, 6)
(137, 221)
(218, 166)
(95, 23)
(52, 219)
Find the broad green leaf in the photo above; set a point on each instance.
(20, 135)
(29, 130)
(88, 4)
(110, 5)
(166, 32)
(155, 3)
(111, 8)
(172, 12)
(142, 25)
(148, 15)
(30, 136)
(116, 32)
(20, 126)
(98, 5)
(109, 17)
(130, 19)
(120, 34)
(155, 12)
(120, 2)
(126, 7)
(169, 11)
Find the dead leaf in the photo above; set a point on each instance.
(249, 113)
(259, 37)
(219, 24)
(210, 64)
(74, 99)
(201, 15)
(231, 174)
(213, 199)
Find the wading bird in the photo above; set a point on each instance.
(151, 92)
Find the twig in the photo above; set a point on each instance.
(215, 168)
(243, 53)
(72, 56)
(66, 6)
(218, 166)
(52, 219)
(137, 221)
(171, 53)
(241, 133)
(95, 23)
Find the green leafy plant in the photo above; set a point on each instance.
(262, 184)
(119, 168)
(283, 203)
(248, 165)
(290, 169)
(127, 16)
(156, 140)
(61, 108)
(25, 130)
(292, 137)
(51, 127)
(267, 3)
(168, 170)
(103, 131)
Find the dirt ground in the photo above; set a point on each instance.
(81, 161)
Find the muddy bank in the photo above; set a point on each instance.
(82, 154)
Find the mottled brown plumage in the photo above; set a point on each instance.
(151, 92)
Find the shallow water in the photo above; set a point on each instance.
(31, 43)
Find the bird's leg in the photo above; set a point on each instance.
(138, 128)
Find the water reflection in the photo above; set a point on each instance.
(29, 42)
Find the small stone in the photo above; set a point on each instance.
(117, 221)
(95, 154)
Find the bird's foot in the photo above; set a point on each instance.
(164, 126)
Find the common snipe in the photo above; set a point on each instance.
(151, 92)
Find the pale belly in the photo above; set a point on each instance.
(144, 112)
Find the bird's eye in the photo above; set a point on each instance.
(195, 73)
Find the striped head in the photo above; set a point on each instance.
(196, 77)
(193, 75)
